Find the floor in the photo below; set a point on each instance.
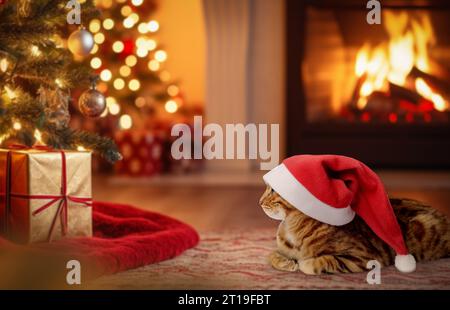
(210, 205)
(220, 209)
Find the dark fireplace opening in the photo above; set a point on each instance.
(380, 93)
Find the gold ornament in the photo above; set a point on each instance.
(56, 106)
(92, 103)
(81, 42)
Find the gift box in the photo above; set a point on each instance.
(45, 194)
(182, 166)
(141, 151)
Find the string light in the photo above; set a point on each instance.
(112, 105)
(171, 106)
(119, 83)
(3, 137)
(150, 44)
(35, 51)
(128, 23)
(125, 71)
(137, 2)
(142, 52)
(153, 65)
(141, 42)
(173, 90)
(161, 56)
(81, 148)
(134, 17)
(126, 10)
(96, 63)
(134, 84)
(11, 93)
(59, 83)
(108, 24)
(99, 38)
(106, 75)
(107, 3)
(131, 60)
(17, 126)
(94, 26)
(125, 121)
(153, 26)
(142, 28)
(4, 64)
(118, 46)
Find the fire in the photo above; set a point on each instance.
(392, 62)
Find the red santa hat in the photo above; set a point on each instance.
(332, 189)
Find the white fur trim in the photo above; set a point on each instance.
(405, 263)
(288, 187)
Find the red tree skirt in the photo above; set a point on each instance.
(124, 238)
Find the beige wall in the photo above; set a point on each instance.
(245, 67)
(182, 34)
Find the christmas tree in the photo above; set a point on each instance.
(130, 62)
(37, 73)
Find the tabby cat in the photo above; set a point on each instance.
(314, 248)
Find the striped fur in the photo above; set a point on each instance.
(312, 247)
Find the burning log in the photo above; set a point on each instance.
(440, 85)
(355, 95)
(402, 93)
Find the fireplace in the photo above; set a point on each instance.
(380, 93)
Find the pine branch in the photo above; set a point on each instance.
(67, 138)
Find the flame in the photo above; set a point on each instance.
(425, 91)
(401, 58)
(392, 61)
(362, 59)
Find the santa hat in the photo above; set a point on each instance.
(332, 189)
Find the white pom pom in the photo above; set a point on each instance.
(405, 263)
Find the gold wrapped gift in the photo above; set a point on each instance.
(45, 194)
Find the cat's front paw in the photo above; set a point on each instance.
(283, 263)
(308, 267)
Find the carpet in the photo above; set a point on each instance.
(124, 238)
(237, 260)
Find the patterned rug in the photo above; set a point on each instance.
(237, 260)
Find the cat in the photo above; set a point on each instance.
(307, 245)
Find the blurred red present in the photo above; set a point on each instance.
(142, 153)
